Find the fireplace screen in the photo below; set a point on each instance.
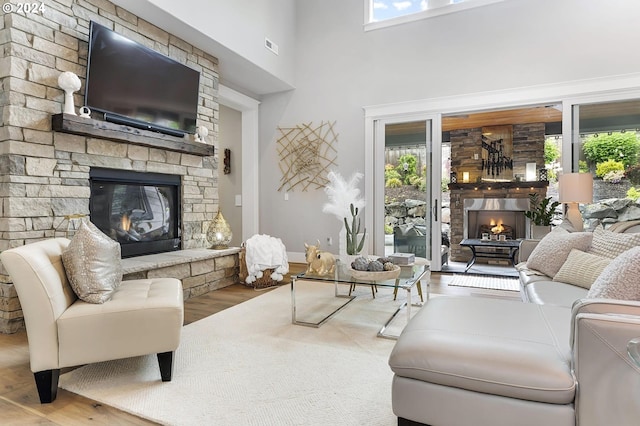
(138, 210)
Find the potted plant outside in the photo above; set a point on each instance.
(540, 214)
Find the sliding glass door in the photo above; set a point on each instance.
(407, 187)
(606, 143)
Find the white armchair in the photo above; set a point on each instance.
(142, 317)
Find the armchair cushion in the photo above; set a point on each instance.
(92, 264)
(552, 251)
(581, 268)
(620, 279)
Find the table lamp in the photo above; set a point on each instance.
(574, 188)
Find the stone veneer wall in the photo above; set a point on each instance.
(528, 146)
(45, 174)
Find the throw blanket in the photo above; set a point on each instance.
(265, 252)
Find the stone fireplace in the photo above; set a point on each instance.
(141, 211)
(489, 198)
(495, 216)
(47, 159)
(474, 206)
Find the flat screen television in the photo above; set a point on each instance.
(137, 86)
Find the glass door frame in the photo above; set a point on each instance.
(571, 116)
(375, 189)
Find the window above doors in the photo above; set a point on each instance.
(385, 13)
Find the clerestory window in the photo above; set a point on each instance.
(384, 13)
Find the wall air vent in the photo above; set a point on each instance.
(271, 45)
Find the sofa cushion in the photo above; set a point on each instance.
(611, 244)
(581, 268)
(620, 279)
(547, 292)
(92, 264)
(552, 251)
(499, 347)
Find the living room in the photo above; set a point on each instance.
(328, 68)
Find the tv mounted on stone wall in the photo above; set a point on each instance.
(134, 85)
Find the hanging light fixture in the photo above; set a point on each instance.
(219, 233)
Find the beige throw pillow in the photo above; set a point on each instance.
(552, 250)
(92, 264)
(581, 268)
(621, 279)
(611, 244)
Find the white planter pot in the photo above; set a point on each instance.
(539, 231)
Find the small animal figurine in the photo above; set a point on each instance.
(319, 262)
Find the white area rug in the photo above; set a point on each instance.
(248, 365)
(484, 281)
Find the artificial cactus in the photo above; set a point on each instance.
(353, 245)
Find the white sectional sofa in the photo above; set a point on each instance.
(558, 358)
(536, 287)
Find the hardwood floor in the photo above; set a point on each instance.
(19, 403)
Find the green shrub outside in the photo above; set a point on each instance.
(393, 183)
(583, 167)
(444, 184)
(633, 193)
(411, 163)
(391, 174)
(619, 146)
(608, 166)
(551, 151)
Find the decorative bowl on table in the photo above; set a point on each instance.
(375, 275)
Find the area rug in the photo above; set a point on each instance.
(248, 365)
(485, 281)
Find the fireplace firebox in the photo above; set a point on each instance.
(141, 211)
(497, 216)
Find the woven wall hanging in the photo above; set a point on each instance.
(306, 153)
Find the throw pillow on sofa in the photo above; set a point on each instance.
(92, 264)
(581, 268)
(611, 244)
(552, 250)
(621, 279)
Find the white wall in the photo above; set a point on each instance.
(230, 185)
(234, 32)
(340, 68)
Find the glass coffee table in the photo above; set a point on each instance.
(415, 274)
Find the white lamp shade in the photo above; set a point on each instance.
(575, 188)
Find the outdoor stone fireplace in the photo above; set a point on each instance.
(47, 158)
(475, 205)
(495, 216)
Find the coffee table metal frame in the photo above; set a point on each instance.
(474, 244)
(341, 276)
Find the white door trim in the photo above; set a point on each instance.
(250, 160)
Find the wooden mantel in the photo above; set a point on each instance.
(68, 123)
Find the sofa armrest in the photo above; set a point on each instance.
(607, 377)
(613, 307)
(526, 247)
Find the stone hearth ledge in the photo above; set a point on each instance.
(201, 270)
